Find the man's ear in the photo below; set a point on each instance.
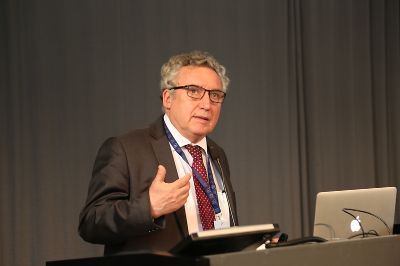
(166, 98)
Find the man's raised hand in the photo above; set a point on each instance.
(167, 197)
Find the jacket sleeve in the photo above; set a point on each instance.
(112, 213)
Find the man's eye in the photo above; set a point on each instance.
(194, 91)
(214, 94)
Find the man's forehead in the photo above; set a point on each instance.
(198, 75)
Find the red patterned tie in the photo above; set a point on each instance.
(207, 215)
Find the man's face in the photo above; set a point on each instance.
(193, 118)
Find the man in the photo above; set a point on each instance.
(152, 187)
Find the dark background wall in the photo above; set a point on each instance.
(314, 103)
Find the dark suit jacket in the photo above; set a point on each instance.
(117, 210)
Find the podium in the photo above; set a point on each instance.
(369, 251)
(356, 252)
(142, 258)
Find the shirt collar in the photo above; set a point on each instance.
(181, 140)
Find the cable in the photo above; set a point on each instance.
(376, 216)
(369, 233)
(346, 210)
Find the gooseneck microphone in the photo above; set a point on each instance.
(215, 155)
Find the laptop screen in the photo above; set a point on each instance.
(355, 213)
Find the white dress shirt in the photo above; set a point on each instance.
(191, 208)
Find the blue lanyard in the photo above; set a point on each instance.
(209, 188)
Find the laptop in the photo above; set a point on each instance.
(356, 213)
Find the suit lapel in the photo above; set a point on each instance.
(164, 156)
(162, 150)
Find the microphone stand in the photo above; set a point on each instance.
(226, 191)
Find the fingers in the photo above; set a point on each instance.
(179, 183)
(161, 172)
(167, 197)
(181, 188)
(183, 181)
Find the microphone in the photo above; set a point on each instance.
(215, 155)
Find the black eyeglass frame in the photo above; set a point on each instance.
(187, 88)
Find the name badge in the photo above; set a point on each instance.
(220, 224)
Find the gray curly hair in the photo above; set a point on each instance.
(171, 68)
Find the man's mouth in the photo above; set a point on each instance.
(202, 118)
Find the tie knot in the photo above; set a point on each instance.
(195, 151)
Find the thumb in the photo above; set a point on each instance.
(161, 172)
(183, 181)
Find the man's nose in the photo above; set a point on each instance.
(206, 101)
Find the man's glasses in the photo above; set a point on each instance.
(197, 92)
